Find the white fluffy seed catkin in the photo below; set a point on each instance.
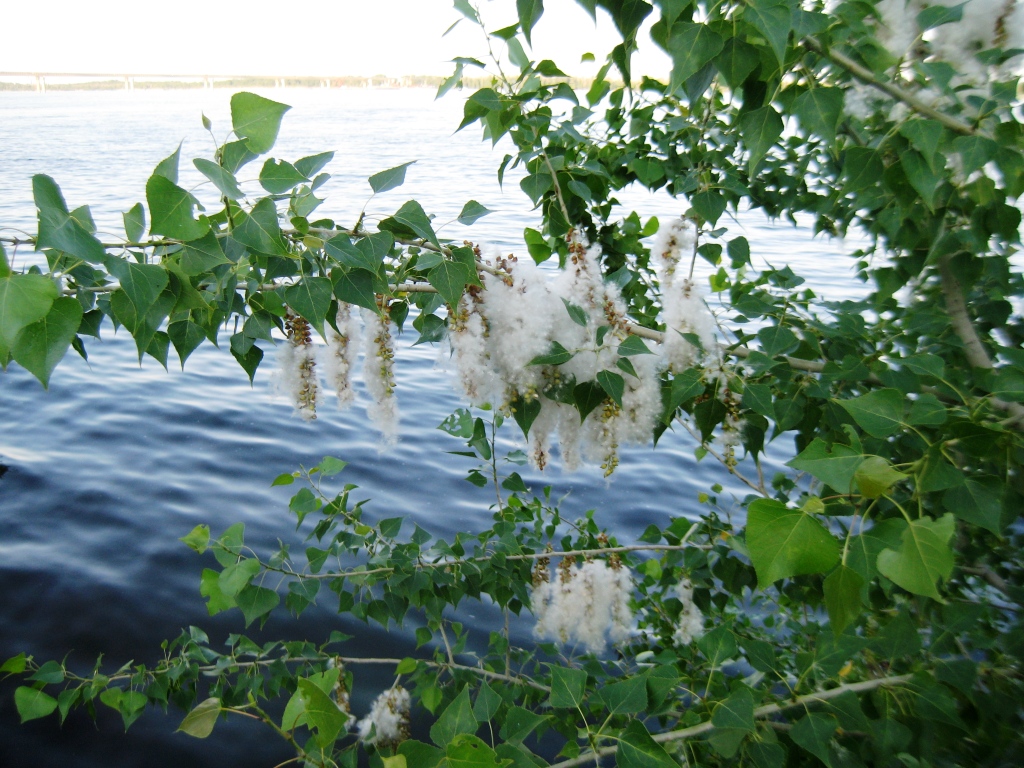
(296, 374)
(340, 357)
(585, 605)
(387, 725)
(691, 620)
(378, 372)
(468, 337)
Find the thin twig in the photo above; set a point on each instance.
(759, 713)
(721, 459)
(558, 188)
(485, 558)
(974, 348)
(869, 77)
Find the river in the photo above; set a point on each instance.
(115, 462)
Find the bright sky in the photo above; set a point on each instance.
(269, 37)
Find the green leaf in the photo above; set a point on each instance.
(627, 697)
(487, 703)
(256, 120)
(237, 576)
(57, 228)
(760, 129)
(588, 395)
(568, 686)
(691, 46)
(875, 476)
(866, 546)
(355, 287)
(556, 355)
(836, 467)
(168, 167)
(331, 466)
(234, 155)
(256, 602)
(519, 723)
(311, 298)
(684, 386)
(613, 384)
(279, 177)
(842, 598)
(777, 340)
(924, 557)
(577, 313)
(170, 210)
(633, 345)
(24, 300)
(736, 61)
(141, 286)
(921, 176)
(525, 412)
(456, 719)
(42, 345)
(222, 178)
(466, 9)
(862, 167)
(879, 413)
(733, 720)
(820, 110)
(764, 754)
(530, 12)
(321, 713)
(925, 135)
(450, 279)
(412, 217)
(927, 411)
(198, 538)
(937, 15)
(539, 249)
(813, 732)
(135, 223)
(342, 248)
(202, 255)
(638, 750)
(310, 165)
(14, 665)
(389, 179)
(50, 673)
(209, 587)
(975, 151)
(787, 542)
(200, 721)
(979, 501)
(260, 229)
(472, 211)
(774, 20)
(33, 703)
(536, 185)
(710, 204)
(718, 645)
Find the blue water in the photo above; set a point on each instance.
(118, 459)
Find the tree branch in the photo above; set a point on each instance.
(485, 558)
(974, 348)
(869, 77)
(759, 713)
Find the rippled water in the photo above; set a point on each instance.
(118, 459)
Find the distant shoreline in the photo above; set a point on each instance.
(196, 82)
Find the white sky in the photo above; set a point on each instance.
(300, 37)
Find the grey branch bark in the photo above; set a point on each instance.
(974, 348)
(759, 713)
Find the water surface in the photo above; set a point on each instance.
(119, 459)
